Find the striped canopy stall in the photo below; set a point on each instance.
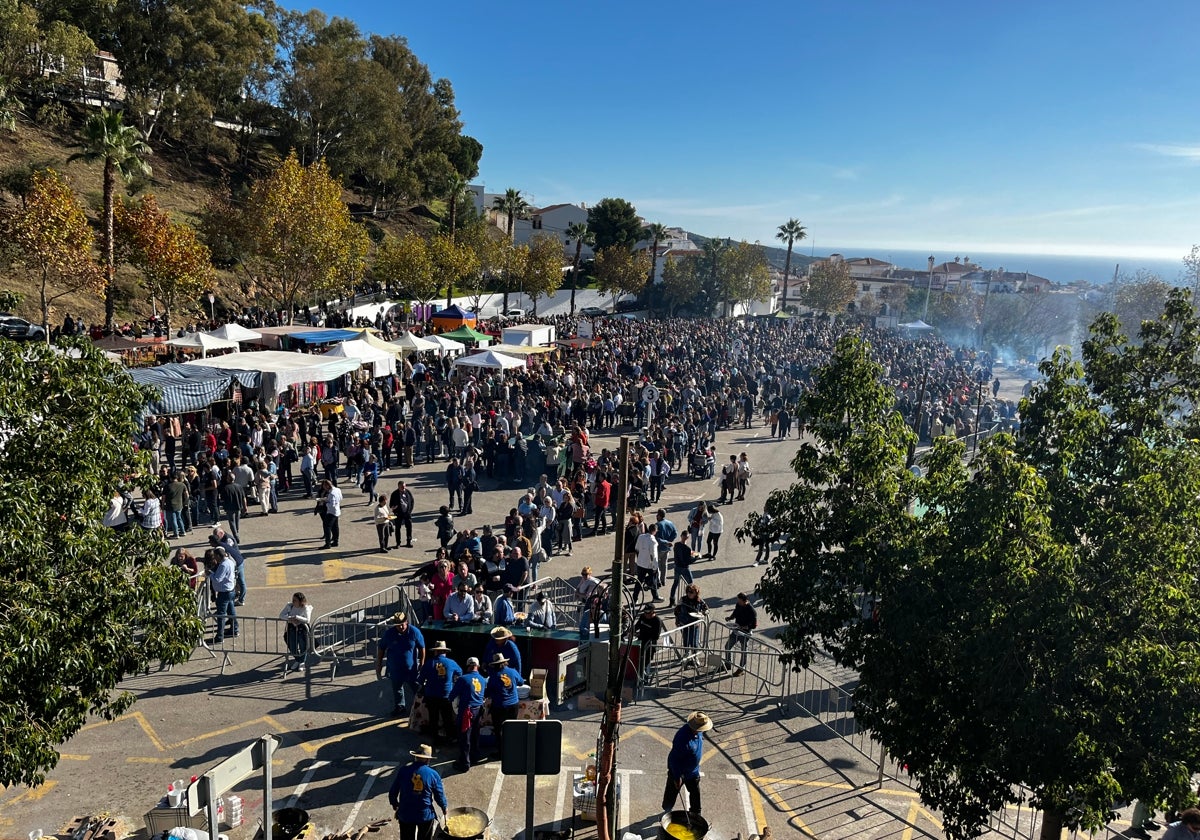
(184, 388)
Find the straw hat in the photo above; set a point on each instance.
(439, 646)
(399, 617)
(499, 633)
(700, 722)
(422, 753)
(499, 659)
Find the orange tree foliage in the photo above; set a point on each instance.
(174, 264)
(49, 240)
(305, 242)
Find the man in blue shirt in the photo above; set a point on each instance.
(502, 641)
(404, 647)
(503, 607)
(683, 762)
(468, 691)
(502, 691)
(667, 533)
(415, 790)
(437, 679)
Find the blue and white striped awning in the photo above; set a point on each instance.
(184, 388)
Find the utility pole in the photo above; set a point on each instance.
(606, 758)
(928, 289)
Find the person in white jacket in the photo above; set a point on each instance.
(298, 615)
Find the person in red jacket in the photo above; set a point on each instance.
(600, 499)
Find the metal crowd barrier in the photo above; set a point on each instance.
(348, 633)
(724, 660)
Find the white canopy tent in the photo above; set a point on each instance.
(382, 362)
(409, 343)
(234, 332)
(916, 325)
(203, 342)
(281, 370)
(448, 345)
(489, 359)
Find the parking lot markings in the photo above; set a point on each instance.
(747, 806)
(304, 781)
(377, 767)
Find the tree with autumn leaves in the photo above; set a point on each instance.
(174, 264)
(620, 271)
(304, 242)
(49, 240)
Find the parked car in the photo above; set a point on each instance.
(513, 313)
(19, 329)
(593, 311)
(628, 305)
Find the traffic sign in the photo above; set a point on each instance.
(650, 394)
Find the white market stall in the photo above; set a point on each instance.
(381, 362)
(409, 343)
(203, 342)
(234, 332)
(280, 370)
(489, 359)
(448, 345)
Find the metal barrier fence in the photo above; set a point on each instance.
(832, 707)
(723, 659)
(344, 634)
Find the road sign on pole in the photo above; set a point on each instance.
(203, 793)
(535, 752)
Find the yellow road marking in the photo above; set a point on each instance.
(267, 719)
(778, 801)
(910, 820)
(317, 745)
(335, 569)
(31, 795)
(931, 817)
(73, 757)
(276, 570)
(138, 759)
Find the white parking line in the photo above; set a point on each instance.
(564, 779)
(494, 802)
(625, 788)
(304, 780)
(377, 768)
(747, 805)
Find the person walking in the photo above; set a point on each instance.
(415, 790)
(648, 629)
(502, 691)
(233, 503)
(384, 521)
(331, 499)
(716, 527)
(743, 475)
(435, 684)
(402, 504)
(647, 563)
(683, 762)
(684, 557)
(745, 620)
(729, 474)
(601, 497)
(298, 615)
(468, 691)
(404, 647)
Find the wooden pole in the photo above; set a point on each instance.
(606, 770)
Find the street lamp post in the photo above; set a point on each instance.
(212, 299)
(928, 289)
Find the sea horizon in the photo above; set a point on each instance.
(1057, 268)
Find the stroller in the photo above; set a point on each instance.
(697, 465)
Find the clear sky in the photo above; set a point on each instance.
(1046, 126)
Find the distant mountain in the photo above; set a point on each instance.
(777, 257)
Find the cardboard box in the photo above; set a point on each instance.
(537, 683)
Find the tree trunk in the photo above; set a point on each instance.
(787, 267)
(1052, 825)
(575, 272)
(110, 272)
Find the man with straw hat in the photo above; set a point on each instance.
(436, 681)
(502, 641)
(415, 790)
(683, 762)
(404, 647)
(502, 691)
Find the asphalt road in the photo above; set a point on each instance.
(765, 764)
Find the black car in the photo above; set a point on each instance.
(19, 329)
(629, 305)
(593, 311)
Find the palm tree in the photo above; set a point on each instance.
(714, 252)
(514, 206)
(106, 138)
(457, 189)
(790, 232)
(656, 233)
(582, 236)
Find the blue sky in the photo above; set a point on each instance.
(1048, 127)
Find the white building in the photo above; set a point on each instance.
(675, 246)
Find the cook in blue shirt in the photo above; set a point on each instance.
(437, 678)
(404, 647)
(503, 607)
(415, 790)
(502, 642)
(502, 692)
(683, 762)
(468, 691)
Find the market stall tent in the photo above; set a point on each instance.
(280, 370)
(234, 332)
(409, 343)
(204, 343)
(521, 349)
(447, 345)
(916, 325)
(369, 336)
(452, 317)
(186, 387)
(382, 362)
(465, 333)
(490, 359)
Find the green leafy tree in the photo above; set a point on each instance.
(305, 242)
(579, 233)
(614, 222)
(682, 282)
(49, 241)
(514, 206)
(542, 272)
(713, 265)
(1138, 298)
(746, 275)
(457, 191)
(123, 153)
(790, 232)
(407, 264)
(1049, 585)
(453, 262)
(10, 106)
(83, 606)
(174, 264)
(655, 233)
(620, 271)
(830, 287)
(487, 243)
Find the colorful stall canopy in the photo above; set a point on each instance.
(452, 317)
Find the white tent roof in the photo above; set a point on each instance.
(490, 359)
(203, 342)
(916, 325)
(447, 345)
(286, 369)
(234, 332)
(410, 343)
(382, 362)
